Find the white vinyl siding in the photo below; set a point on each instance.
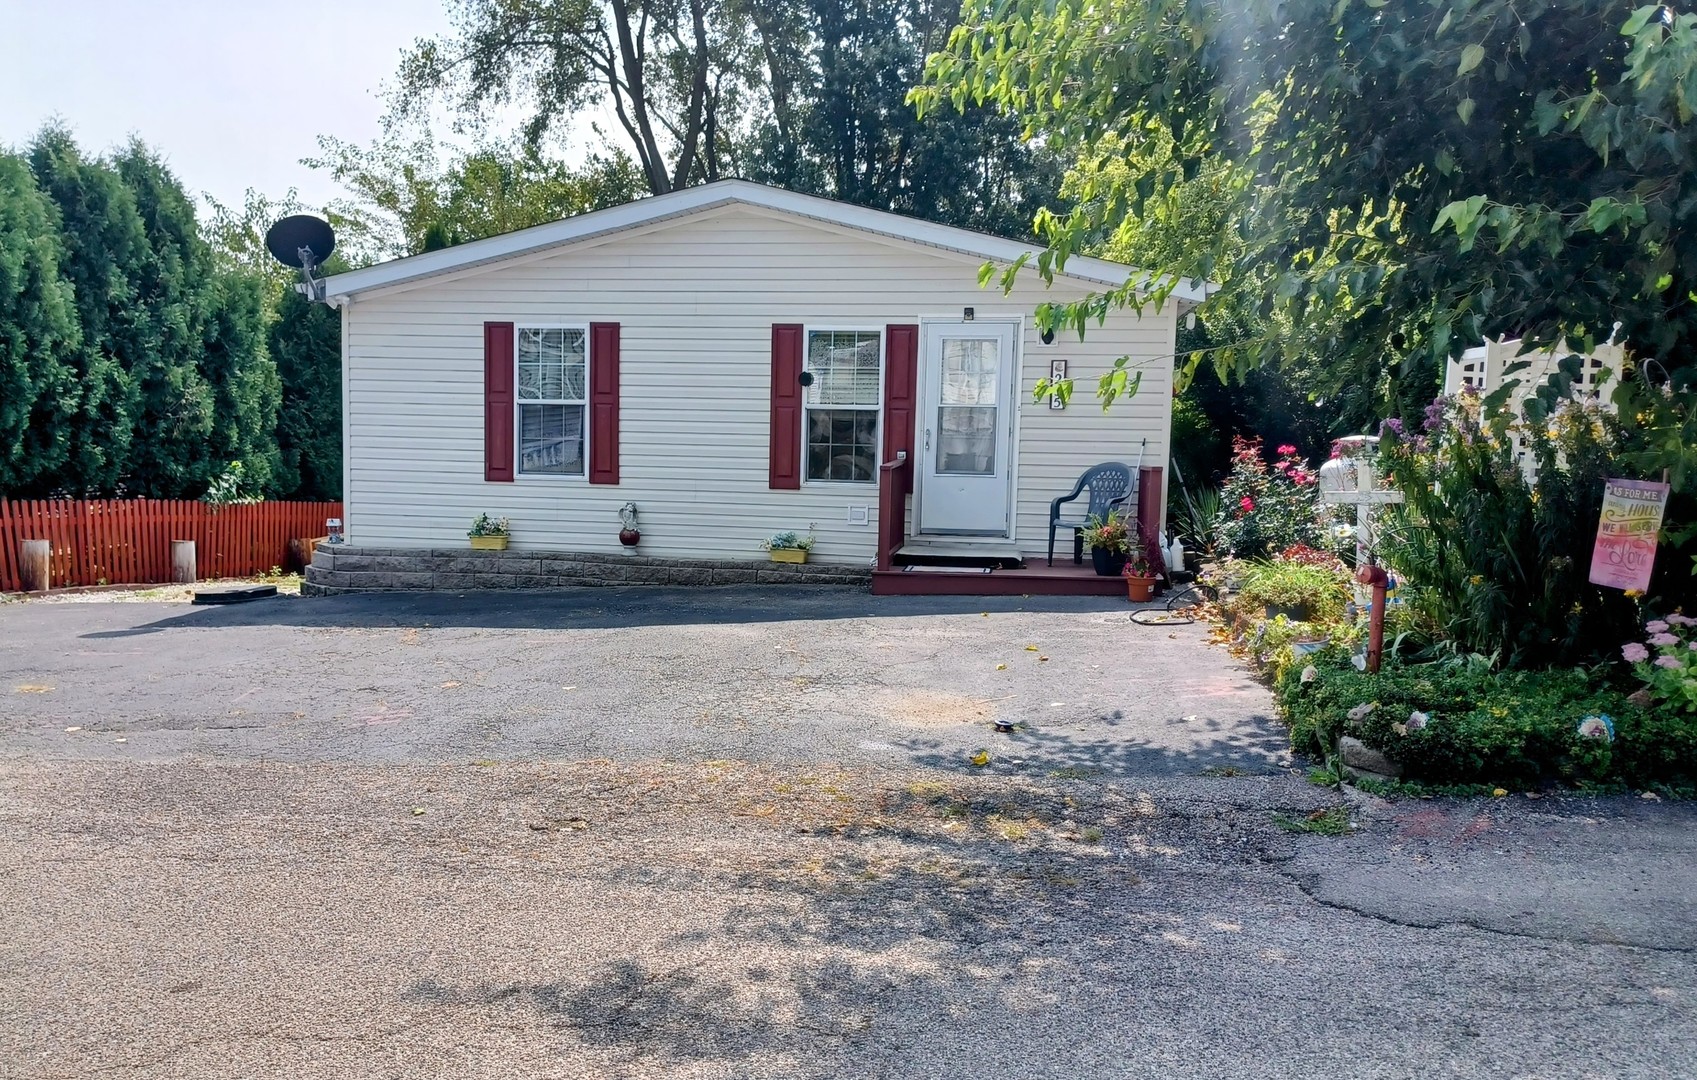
(696, 298)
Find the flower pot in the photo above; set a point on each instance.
(1140, 590)
(489, 543)
(1308, 648)
(1107, 563)
(1293, 612)
(790, 555)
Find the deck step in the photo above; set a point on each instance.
(944, 553)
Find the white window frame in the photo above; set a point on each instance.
(807, 332)
(519, 402)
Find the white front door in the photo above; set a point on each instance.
(969, 375)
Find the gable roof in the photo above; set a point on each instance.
(596, 223)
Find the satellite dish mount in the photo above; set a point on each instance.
(305, 243)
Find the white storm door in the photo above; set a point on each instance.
(968, 377)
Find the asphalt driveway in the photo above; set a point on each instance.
(758, 674)
(734, 834)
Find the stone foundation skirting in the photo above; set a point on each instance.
(342, 568)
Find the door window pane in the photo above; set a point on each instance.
(966, 440)
(971, 371)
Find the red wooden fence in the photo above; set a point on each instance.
(111, 541)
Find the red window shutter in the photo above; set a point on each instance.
(604, 403)
(901, 388)
(498, 375)
(785, 453)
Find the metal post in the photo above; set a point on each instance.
(1375, 577)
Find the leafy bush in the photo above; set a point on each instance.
(1460, 723)
(1672, 675)
(1321, 588)
(1267, 508)
(1498, 562)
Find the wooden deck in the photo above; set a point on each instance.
(1036, 579)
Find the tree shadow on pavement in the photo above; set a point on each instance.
(977, 908)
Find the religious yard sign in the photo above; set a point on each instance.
(1626, 534)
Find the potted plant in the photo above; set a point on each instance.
(790, 547)
(1110, 541)
(1140, 574)
(489, 534)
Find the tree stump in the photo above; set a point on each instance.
(182, 562)
(34, 560)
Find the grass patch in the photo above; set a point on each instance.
(1330, 822)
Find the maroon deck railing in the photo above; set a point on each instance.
(894, 479)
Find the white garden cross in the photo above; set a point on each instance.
(1366, 496)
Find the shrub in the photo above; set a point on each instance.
(1267, 508)
(1322, 589)
(1460, 723)
(1672, 675)
(1500, 563)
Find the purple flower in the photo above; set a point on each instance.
(1663, 639)
(1677, 619)
(1655, 626)
(1667, 661)
(1634, 652)
(1393, 425)
(1435, 413)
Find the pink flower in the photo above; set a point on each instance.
(1287, 449)
(1634, 652)
(1681, 620)
(1663, 639)
(1655, 626)
(1692, 646)
(1248, 504)
(1667, 661)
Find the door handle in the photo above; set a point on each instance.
(927, 438)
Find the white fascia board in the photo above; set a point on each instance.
(647, 211)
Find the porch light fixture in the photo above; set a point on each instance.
(966, 316)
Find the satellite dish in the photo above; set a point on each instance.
(303, 242)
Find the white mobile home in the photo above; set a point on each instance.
(729, 361)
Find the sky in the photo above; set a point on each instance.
(233, 92)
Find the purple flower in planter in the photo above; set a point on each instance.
(1634, 652)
